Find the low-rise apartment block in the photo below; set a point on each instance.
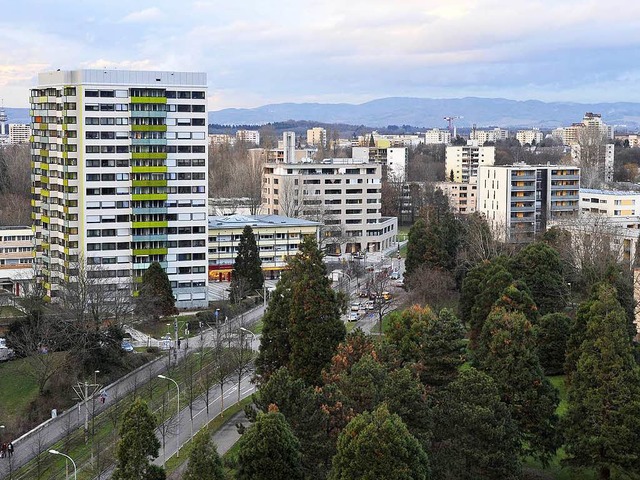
(16, 247)
(610, 203)
(519, 200)
(529, 137)
(484, 136)
(248, 136)
(437, 136)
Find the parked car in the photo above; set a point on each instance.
(126, 346)
(355, 306)
(394, 275)
(353, 316)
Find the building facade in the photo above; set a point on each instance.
(277, 238)
(317, 136)
(519, 200)
(436, 136)
(462, 196)
(529, 137)
(16, 247)
(493, 135)
(120, 178)
(344, 194)
(462, 162)
(19, 133)
(610, 203)
(248, 136)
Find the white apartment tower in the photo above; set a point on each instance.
(462, 162)
(120, 178)
(19, 133)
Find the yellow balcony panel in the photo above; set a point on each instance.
(150, 196)
(150, 251)
(44, 166)
(148, 99)
(46, 219)
(161, 169)
(44, 153)
(149, 183)
(148, 128)
(155, 156)
(44, 193)
(158, 224)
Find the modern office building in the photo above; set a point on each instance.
(277, 238)
(344, 194)
(19, 133)
(462, 161)
(519, 200)
(120, 178)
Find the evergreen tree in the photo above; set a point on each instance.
(509, 356)
(474, 434)
(552, 333)
(155, 296)
(247, 273)
(268, 450)
(442, 237)
(602, 424)
(315, 327)
(432, 344)
(416, 247)
(138, 444)
(497, 278)
(516, 297)
(378, 445)
(302, 326)
(472, 285)
(540, 267)
(275, 348)
(204, 461)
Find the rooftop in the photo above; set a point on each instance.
(122, 77)
(235, 221)
(595, 191)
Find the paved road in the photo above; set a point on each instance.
(45, 435)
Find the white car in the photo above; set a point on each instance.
(353, 316)
(394, 275)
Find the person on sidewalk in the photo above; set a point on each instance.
(3, 450)
(10, 449)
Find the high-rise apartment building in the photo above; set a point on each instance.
(436, 136)
(120, 178)
(248, 136)
(519, 200)
(462, 161)
(317, 136)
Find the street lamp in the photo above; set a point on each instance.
(95, 372)
(75, 469)
(178, 414)
(246, 330)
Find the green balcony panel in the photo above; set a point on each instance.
(159, 224)
(148, 99)
(150, 251)
(148, 128)
(156, 156)
(149, 183)
(161, 169)
(149, 196)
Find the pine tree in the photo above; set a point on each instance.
(155, 296)
(204, 461)
(315, 327)
(602, 424)
(540, 267)
(416, 247)
(138, 444)
(552, 333)
(516, 297)
(268, 450)
(442, 237)
(509, 355)
(474, 434)
(379, 445)
(247, 273)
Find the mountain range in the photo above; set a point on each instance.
(422, 112)
(428, 112)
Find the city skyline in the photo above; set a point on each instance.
(257, 53)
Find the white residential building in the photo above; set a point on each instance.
(610, 203)
(342, 193)
(519, 200)
(120, 178)
(437, 136)
(19, 133)
(493, 135)
(248, 136)
(462, 162)
(530, 137)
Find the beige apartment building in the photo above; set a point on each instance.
(462, 196)
(343, 194)
(317, 136)
(16, 247)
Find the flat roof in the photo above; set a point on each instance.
(147, 78)
(595, 191)
(236, 221)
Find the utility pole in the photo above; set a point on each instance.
(85, 391)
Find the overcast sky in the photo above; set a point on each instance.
(270, 51)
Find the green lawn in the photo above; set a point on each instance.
(17, 390)
(8, 311)
(558, 382)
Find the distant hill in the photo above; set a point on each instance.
(427, 112)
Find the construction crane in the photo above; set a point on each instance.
(452, 130)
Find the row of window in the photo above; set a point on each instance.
(146, 204)
(135, 190)
(111, 177)
(138, 149)
(126, 162)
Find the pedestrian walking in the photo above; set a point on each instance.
(3, 450)
(10, 449)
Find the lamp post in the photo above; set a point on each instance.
(178, 413)
(246, 330)
(75, 469)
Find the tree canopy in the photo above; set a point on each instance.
(204, 461)
(155, 297)
(247, 269)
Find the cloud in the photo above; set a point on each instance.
(153, 13)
